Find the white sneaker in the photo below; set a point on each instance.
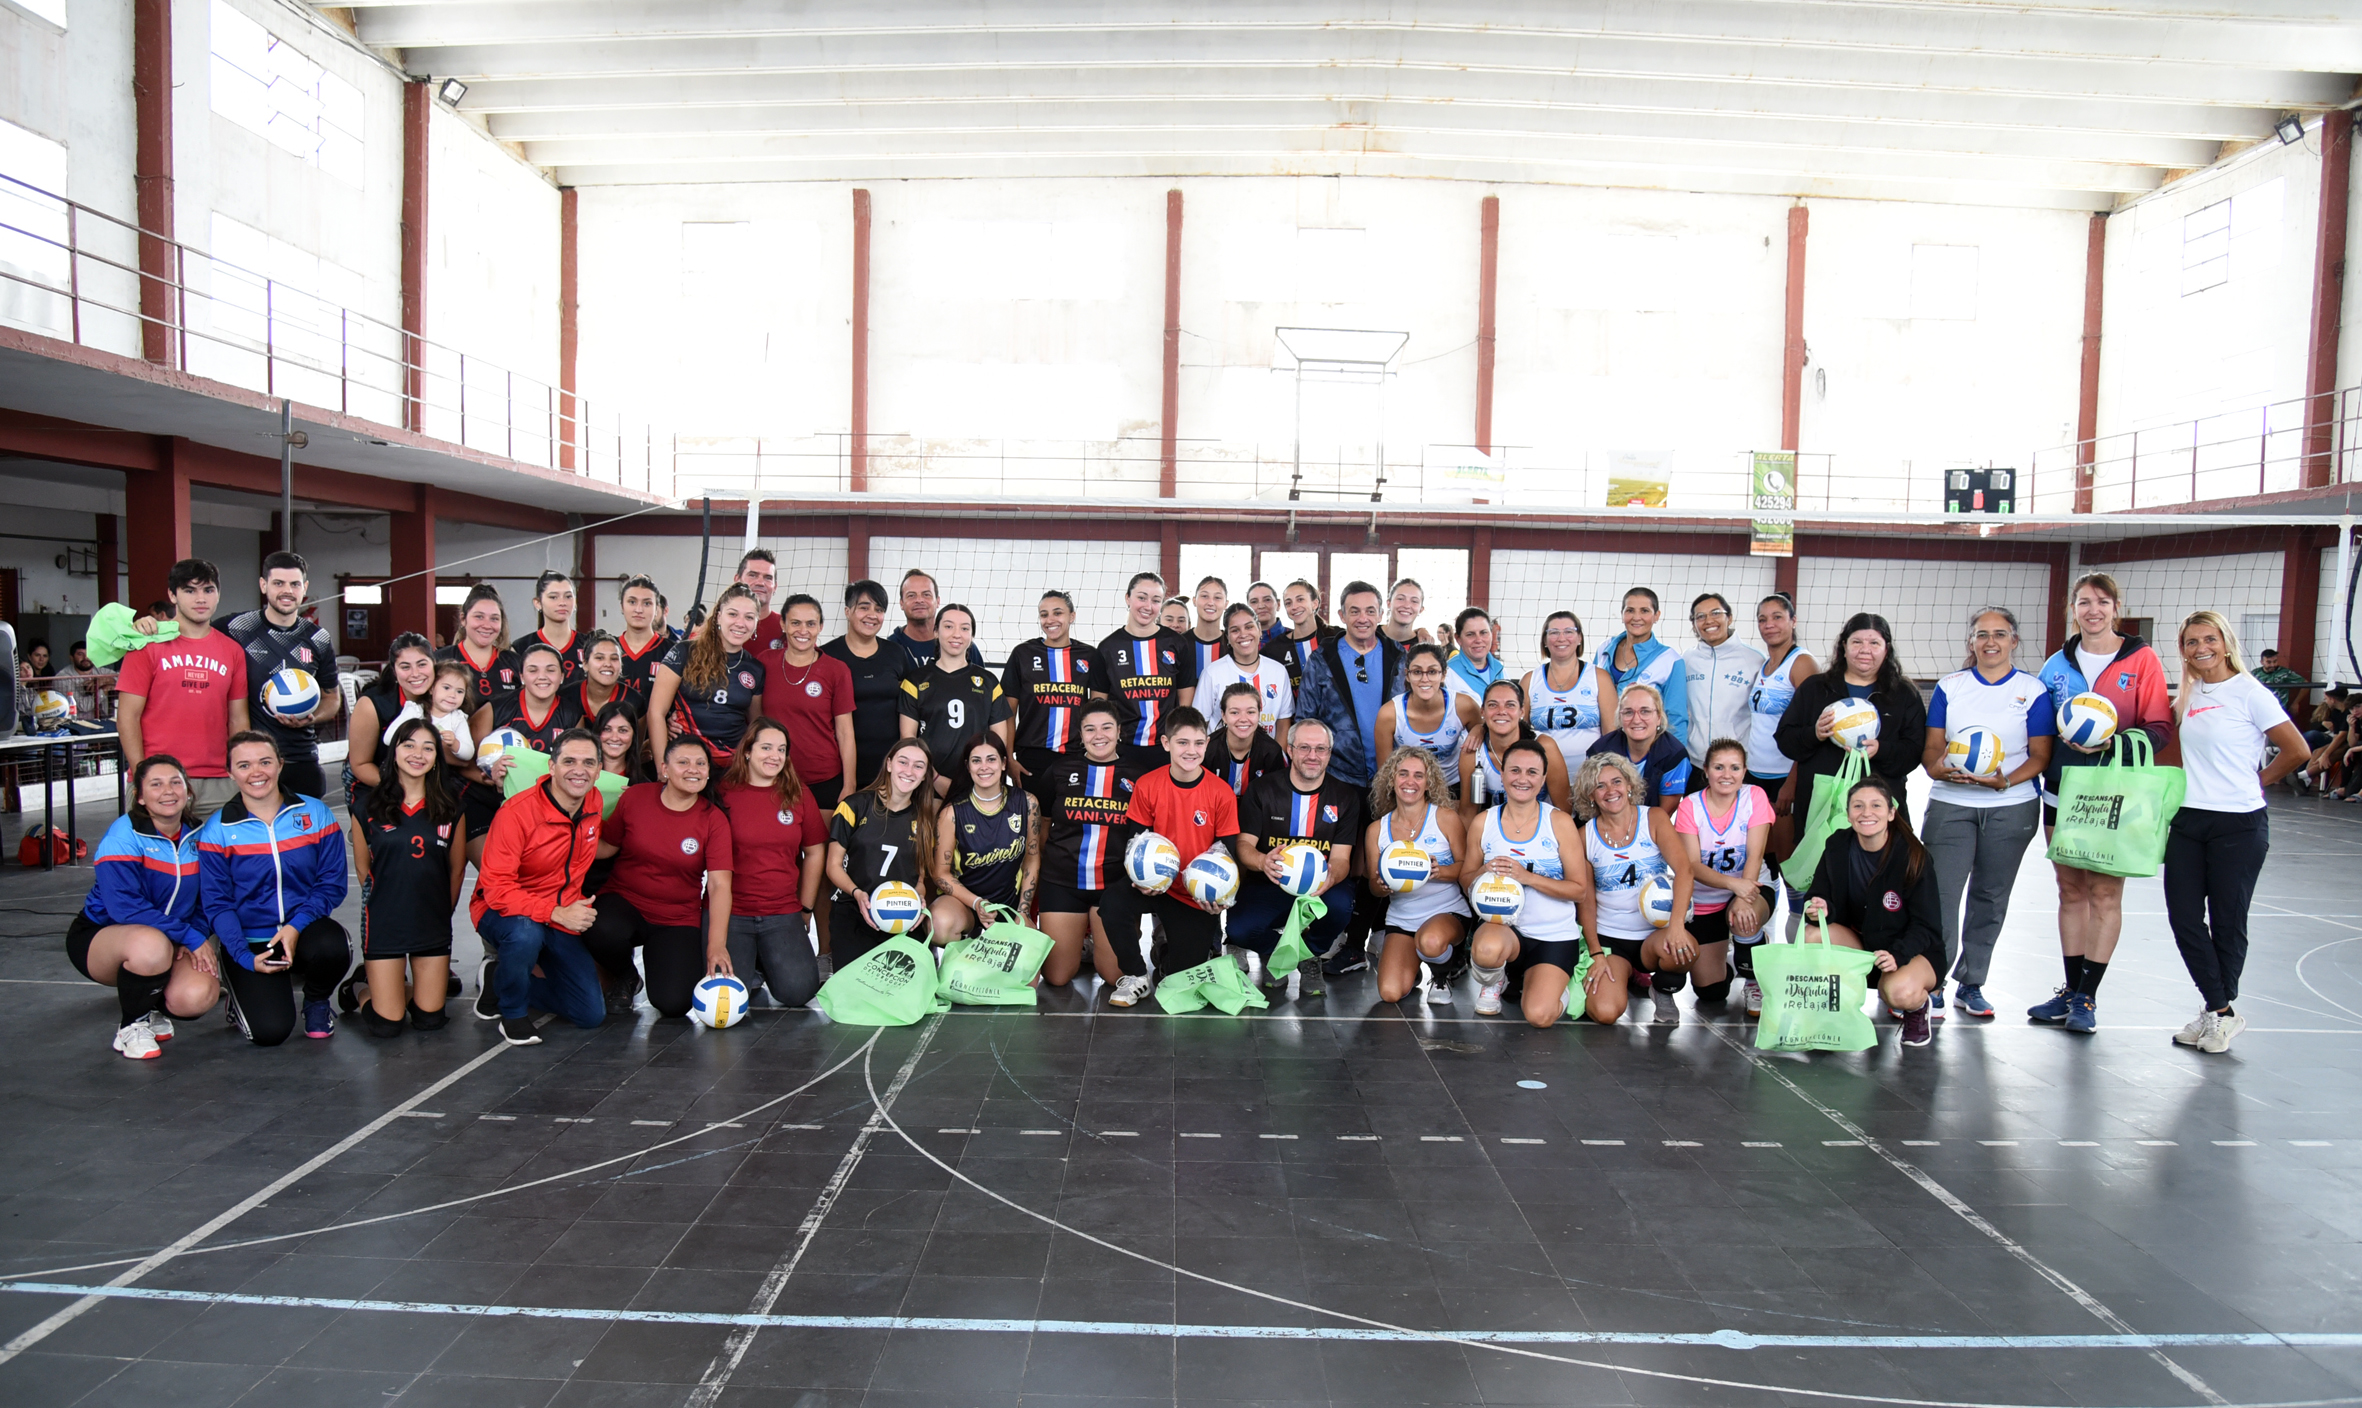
(1754, 998)
(2220, 1028)
(1667, 1009)
(1488, 998)
(159, 1026)
(1437, 994)
(136, 1041)
(2192, 1034)
(1128, 992)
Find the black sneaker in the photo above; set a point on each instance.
(1308, 983)
(426, 1021)
(518, 1031)
(348, 995)
(623, 997)
(1352, 958)
(487, 1000)
(451, 987)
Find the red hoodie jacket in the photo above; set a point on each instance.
(535, 856)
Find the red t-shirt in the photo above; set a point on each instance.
(770, 844)
(189, 686)
(665, 854)
(808, 699)
(1192, 817)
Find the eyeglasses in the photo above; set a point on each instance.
(1710, 614)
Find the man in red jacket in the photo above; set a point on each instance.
(529, 906)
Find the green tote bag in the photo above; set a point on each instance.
(997, 967)
(1812, 996)
(892, 985)
(2113, 818)
(1826, 818)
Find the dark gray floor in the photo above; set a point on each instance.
(1272, 1210)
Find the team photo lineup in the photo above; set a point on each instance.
(1232, 800)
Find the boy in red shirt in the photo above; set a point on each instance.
(1196, 811)
(187, 695)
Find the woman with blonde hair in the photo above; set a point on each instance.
(1411, 805)
(2216, 848)
(1629, 843)
(1642, 739)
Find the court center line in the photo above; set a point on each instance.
(2090, 1303)
(718, 1372)
(50, 1326)
(1140, 1015)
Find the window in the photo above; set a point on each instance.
(32, 246)
(261, 83)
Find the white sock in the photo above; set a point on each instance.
(1488, 975)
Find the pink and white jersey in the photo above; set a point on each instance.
(1722, 842)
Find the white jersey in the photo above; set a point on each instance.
(1444, 742)
(1569, 717)
(1405, 913)
(1544, 918)
(1617, 873)
(1723, 845)
(1765, 703)
(1270, 679)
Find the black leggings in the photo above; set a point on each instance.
(2212, 860)
(673, 955)
(323, 951)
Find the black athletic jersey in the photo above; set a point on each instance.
(1144, 674)
(877, 703)
(1083, 805)
(487, 683)
(1203, 653)
(1048, 685)
(408, 907)
(1263, 756)
(1298, 653)
(541, 735)
(880, 845)
(1274, 813)
(269, 649)
(989, 847)
(578, 695)
(639, 671)
(569, 654)
(951, 706)
(716, 715)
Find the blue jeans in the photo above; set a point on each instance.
(1263, 907)
(569, 985)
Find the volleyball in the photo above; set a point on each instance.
(51, 710)
(1404, 866)
(1975, 751)
(291, 694)
(1852, 723)
(719, 1001)
(498, 741)
(1152, 862)
(1497, 898)
(1212, 879)
(1656, 900)
(895, 908)
(2087, 721)
(1301, 868)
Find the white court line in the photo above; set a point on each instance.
(1139, 1014)
(718, 1372)
(37, 1333)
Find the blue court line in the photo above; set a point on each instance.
(1718, 1339)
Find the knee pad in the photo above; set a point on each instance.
(1714, 992)
(1669, 982)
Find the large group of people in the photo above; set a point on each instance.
(642, 810)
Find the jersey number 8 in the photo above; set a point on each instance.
(722, 695)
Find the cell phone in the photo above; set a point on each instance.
(271, 953)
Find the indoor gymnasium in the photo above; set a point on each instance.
(824, 704)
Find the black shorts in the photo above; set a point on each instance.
(826, 793)
(1147, 757)
(478, 803)
(1566, 955)
(1039, 760)
(79, 936)
(1066, 899)
(2050, 818)
(1626, 949)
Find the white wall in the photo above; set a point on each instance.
(492, 289)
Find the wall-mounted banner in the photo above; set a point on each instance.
(1773, 496)
(1639, 478)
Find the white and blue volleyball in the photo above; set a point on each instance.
(291, 694)
(2087, 720)
(895, 908)
(1852, 723)
(1212, 879)
(498, 741)
(718, 1001)
(1975, 751)
(1152, 862)
(1497, 898)
(1405, 866)
(1301, 868)
(1656, 900)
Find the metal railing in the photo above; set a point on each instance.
(2231, 454)
(74, 271)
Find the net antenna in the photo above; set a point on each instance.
(1341, 357)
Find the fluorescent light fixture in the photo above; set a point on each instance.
(450, 596)
(452, 91)
(2291, 129)
(357, 594)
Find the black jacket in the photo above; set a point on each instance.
(1894, 914)
(1902, 734)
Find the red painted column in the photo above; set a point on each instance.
(856, 548)
(1168, 474)
(1792, 349)
(1488, 270)
(151, 87)
(2087, 397)
(569, 286)
(1480, 568)
(156, 523)
(2300, 598)
(1168, 563)
(1784, 570)
(417, 108)
(412, 558)
(586, 572)
(858, 480)
(2329, 298)
(110, 564)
